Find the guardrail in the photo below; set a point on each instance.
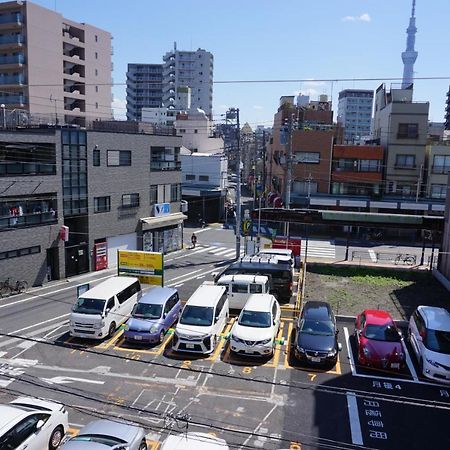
(394, 258)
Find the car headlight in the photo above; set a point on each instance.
(154, 329)
(265, 341)
(433, 363)
(332, 353)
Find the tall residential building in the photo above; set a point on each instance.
(409, 56)
(355, 113)
(53, 66)
(447, 112)
(144, 88)
(192, 69)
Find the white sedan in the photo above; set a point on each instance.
(254, 332)
(32, 424)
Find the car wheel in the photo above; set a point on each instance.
(56, 438)
(112, 329)
(143, 445)
(161, 337)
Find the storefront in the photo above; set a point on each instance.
(163, 234)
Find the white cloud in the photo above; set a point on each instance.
(119, 107)
(362, 18)
(258, 107)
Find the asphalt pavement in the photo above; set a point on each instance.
(252, 403)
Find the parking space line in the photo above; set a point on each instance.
(156, 352)
(409, 362)
(276, 354)
(105, 345)
(349, 350)
(288, 347)
(355, 424)
(221, 343)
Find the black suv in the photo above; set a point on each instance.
(316, 335)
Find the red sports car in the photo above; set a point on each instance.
(378, 340)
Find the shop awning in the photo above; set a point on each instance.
(149, 223)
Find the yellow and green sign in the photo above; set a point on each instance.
(147, 266)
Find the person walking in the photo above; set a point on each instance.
(193, 240)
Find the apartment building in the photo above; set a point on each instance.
(144, 89)
(70, 198)
(189, 68)
(437, 168)
(401, 127)
(52, 66)
(355, 113)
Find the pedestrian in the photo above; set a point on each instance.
(193, 240)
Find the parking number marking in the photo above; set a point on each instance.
(295, 446)
(186, 364)
(247, 370)
(312, 376)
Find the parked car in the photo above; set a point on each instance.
(378, 340)
(203, 318)
(429, 334)
(153, 315)
(32, 424)
(316, 335)
(257, 326)
(282, 254)
(189, 441)
(104, 434)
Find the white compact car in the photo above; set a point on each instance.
(203, 318)
(32, 424)
(429, 334)
(257, 326)
(199, 441)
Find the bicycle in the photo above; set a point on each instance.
(7, 289)
(406, 259)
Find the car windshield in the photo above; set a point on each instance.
(438, 341)
(382, 333)
(89, 306)
(110, 441)
(197, 315)
(147, 311)
(319, 327)
(255, 319)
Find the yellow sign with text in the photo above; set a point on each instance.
(147, 266)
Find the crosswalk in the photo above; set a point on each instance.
(316, 249)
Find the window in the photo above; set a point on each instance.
(153, 194)
(441, 164)
(130, 200)
(307, 157)
(96, 55)
(119, 158)
(96, 72)
(110, 304)
(438, 191)
(102, 204)
(96, 38)
(96, 157)
(20, 252)
(175, 195)
(304, 187)
(369, 165)
(405, 161)
(255, 288)
(96, 88)
(128, 292)
(190, 177)
(408, 131)
(203, 178)
(96, 105)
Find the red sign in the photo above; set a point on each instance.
(64, 233)
(293, 243)
(101, 255)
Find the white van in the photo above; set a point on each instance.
(282, 254)
(202, 320)
(240, 287)
(99, 311)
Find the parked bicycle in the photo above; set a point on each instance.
(406, 259)
(7, 288)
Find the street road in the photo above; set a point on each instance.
(268, 404)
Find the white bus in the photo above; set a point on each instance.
(98, 312)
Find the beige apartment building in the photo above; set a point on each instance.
(53, 67)
(401, 126)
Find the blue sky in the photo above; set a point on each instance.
(271, 40)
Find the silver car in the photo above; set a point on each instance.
(107, 434)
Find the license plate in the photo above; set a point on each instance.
(315, 359)
(138, 338)
(395, 365)
(189, 345)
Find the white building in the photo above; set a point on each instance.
(355, 113)
(193, 69)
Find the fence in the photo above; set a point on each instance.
(393, 258)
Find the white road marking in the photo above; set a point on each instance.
(349, 350)
(38, 324)
(69, 380)
(217, 250)
(355, 424)
(372, 255)
(409, 362)
(185, 275)
(192, 277)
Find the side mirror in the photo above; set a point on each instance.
(164, 315)
(39, 425)
(107, 311)
(339, 346)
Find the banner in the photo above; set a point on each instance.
(147, 266)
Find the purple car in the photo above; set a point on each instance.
(153, 315)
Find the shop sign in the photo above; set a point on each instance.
(162, 209)
(147, 266)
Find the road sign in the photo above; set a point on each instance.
(246, 226)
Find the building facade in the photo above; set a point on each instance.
(193, 69)
(355, 113)
(401, 127)
(437, 170)
(111, 190)
(144, 89)
(54, 67)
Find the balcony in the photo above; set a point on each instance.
(12, 59)
(159, 166)
(15, 39)
(11, 19)
(12, 79)
(18, 100)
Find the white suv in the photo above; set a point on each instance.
(429, 334)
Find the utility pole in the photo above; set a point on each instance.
(289, 165)
(419, 183)
(264, 167)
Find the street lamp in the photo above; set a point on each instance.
(3, 115)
